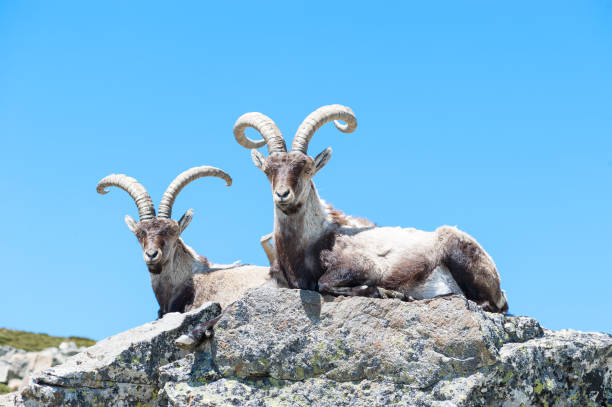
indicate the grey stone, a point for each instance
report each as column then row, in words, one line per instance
column 118, row 371
column 4, row 371
column 280, row 347
column 17, row 366
column 292, row 348
column 11, row 399
column 7, row 350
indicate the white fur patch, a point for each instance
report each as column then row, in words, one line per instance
column 502, row 301
column 439, row 282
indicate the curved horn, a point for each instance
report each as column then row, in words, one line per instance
column 146, row 209
column 272, row 136
column 184, row 178
column 318, row 118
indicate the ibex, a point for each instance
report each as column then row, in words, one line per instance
column 320, row 248
column 182, row 280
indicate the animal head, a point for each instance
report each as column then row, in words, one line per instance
column 158, row 235
column 158, row 238
column 290, row 173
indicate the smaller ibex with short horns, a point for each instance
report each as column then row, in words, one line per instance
column 182, row 280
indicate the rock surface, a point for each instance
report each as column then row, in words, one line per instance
column 283, row 347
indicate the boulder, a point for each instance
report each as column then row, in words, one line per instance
column 13, row 363
column 286, row 347
column 17, row 365
column 121, row 370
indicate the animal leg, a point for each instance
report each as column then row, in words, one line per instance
column 472, row 268
column 197, row 335
column 268, row 248
column 342, row 282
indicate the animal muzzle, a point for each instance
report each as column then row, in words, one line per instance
column 152, row 256
column 283, row 195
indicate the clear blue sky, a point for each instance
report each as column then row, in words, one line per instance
column 493, row 117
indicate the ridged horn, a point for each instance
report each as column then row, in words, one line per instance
column 272, row 136
column 184, row 178
column 318, row 118
column 146, row 209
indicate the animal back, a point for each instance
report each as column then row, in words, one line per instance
column 226, row 286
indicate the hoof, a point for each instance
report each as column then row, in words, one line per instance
column 384, row 293
column 185, row 342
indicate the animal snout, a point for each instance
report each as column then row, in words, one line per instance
column 282, row 192
column 151, row 253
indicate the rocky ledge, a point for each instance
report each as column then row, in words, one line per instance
column 282, row 347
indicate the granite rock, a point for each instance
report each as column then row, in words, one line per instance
column 281, row 347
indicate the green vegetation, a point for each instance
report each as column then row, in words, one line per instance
column 4, row 388
column 33, row 342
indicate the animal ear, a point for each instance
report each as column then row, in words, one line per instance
column 131, row 223
column 322, row 159
column 185, row 220
column 258, row 159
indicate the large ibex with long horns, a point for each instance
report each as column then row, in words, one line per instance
column 320, row 248
column 181, row 279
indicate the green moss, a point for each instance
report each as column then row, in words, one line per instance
column 29, row 341
column 4, row 388
column 538, row 387
column 317, row 364
column 264, row 363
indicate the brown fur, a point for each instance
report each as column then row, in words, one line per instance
column 299, row 266
column 470, row 266
column 413, row 268
column 225, row 286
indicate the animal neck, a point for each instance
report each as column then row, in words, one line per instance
column 187, row 259
column 299, row 238
column 307, row 224
column 184, row 263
